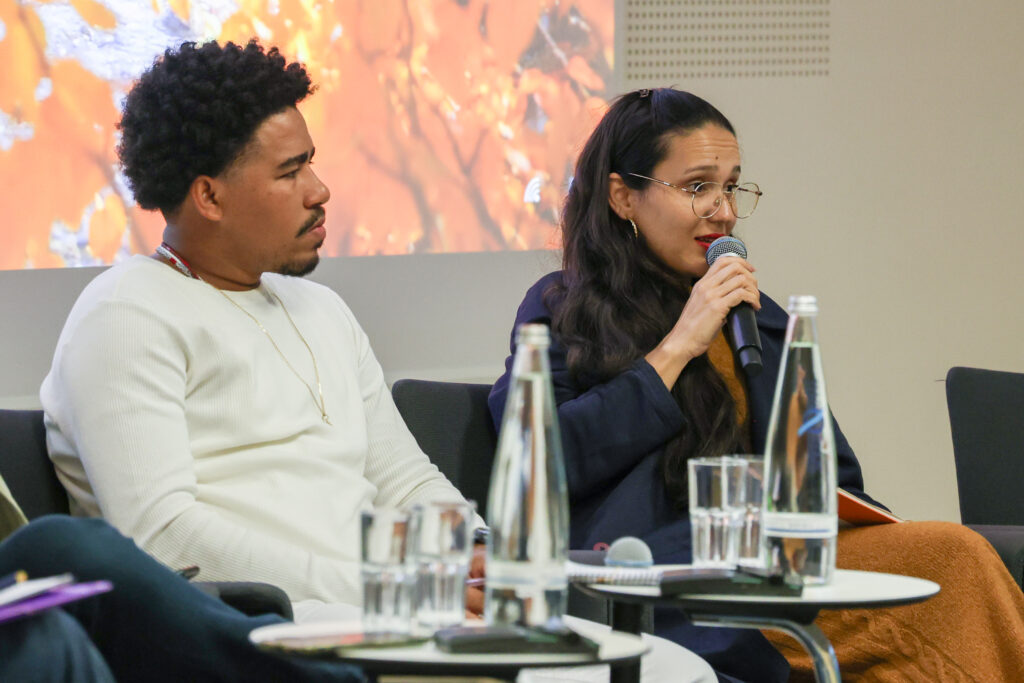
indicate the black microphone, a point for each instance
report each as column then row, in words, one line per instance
column 741, row 323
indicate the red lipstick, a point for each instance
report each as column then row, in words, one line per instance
column 706, row 240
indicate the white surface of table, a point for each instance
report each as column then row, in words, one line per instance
column 849, row 588
column 613, row 646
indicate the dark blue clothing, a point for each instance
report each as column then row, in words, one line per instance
column 613, row 435
column 153, row 626
column 50, row 647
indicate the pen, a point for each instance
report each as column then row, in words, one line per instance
column 13, row 578
column 188, row 573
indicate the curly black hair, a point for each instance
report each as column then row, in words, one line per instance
column 194, row 112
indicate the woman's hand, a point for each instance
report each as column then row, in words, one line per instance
column 729, row 282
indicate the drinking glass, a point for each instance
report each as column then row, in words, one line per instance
column 751, row 551
column 717, row 507
column 387, row 572
column 442, row 548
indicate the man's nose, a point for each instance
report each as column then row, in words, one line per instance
column 319, row 193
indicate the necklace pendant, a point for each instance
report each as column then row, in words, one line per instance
column 327, row 420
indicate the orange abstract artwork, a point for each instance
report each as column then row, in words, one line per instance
column 440, row 125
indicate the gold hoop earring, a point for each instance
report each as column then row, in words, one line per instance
column 636, row 233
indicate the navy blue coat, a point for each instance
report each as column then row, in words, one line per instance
column 613, row 435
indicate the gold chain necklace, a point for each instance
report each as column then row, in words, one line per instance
column 321, row 405
column 182, row 265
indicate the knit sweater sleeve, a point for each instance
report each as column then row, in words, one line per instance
column 395, row 464
column 127, row 423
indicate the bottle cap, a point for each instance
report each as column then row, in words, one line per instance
column 803, row 304
column 533, row 333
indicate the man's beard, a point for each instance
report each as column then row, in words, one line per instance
column 299, row 269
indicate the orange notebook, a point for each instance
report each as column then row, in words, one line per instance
column 860, row 513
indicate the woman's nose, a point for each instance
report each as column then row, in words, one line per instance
column 724, row 212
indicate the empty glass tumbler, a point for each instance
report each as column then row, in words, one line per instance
column 751, row 548
column 442, row 547
column 388, row 573
column 717, row 509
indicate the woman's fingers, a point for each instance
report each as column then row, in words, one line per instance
column 715, row 288
column 727, row 283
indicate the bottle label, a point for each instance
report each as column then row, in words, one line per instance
column 800, row 525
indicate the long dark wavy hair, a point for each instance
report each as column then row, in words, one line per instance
column 617, row 300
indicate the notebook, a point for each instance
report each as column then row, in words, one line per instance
column 679, row 579
column 861, row 513
column 642, row 576
column 54, row 591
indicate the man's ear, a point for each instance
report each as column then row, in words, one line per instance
column 620, row 197
column 204, row 195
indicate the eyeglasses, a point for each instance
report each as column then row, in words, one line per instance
column 706, row 198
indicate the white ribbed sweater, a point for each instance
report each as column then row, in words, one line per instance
column 170, row 414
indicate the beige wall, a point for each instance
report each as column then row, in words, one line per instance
column 890, row 194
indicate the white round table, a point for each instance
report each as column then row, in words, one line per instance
column 795, row 615
column 424, row 658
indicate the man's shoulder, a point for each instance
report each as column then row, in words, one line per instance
column 137, row 279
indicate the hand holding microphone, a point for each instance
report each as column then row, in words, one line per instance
column 727, row 284
column 741, row 322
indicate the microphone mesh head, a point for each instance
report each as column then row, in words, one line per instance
column 723, row 246
column 629, row 551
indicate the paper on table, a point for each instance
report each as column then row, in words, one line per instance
column 58, row 595
column 24, row 589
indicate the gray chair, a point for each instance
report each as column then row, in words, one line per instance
column 986, row 418
column 26, row 468
column 453, row 425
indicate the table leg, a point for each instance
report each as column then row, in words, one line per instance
column 826, row 667
column 627, row 618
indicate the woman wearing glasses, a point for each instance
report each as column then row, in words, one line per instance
column 645, row 380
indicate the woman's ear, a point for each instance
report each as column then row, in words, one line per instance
column 620, row 196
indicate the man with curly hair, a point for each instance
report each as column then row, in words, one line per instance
column 211, row 407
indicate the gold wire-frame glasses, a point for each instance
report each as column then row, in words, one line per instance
column 706, row 197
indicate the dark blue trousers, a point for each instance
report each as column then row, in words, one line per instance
column 153, row 626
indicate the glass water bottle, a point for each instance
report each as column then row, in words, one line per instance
column 800, row 521
column 527, row 509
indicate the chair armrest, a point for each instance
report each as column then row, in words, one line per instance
column 249, row 597
column 1008, row 540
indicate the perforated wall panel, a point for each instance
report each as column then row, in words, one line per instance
column 665, row 42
